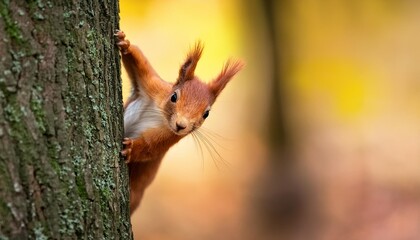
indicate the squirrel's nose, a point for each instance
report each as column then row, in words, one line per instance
column 180, row 126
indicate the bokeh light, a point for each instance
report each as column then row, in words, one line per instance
column 341, row 81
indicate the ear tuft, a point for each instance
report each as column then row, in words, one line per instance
column 229, row 70
column 186, row 72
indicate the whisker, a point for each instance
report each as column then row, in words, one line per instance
column 214, row 134
column 201, row 136
column 214, row 153
column 198, row 144
column 213, row 138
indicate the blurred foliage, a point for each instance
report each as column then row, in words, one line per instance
column 345, row 83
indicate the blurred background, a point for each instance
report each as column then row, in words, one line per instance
column 319, row 135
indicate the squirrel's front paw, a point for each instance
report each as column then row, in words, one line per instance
column 126, row 152
column 122, row 43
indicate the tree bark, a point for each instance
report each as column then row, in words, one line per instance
column 61, row 176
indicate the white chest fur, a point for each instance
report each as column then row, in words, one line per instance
column 140, row 115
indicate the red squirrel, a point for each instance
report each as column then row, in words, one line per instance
column 158, row 114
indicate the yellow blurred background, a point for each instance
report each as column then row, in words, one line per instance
column 319, row 134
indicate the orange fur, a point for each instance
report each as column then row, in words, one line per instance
column 229, row 70
column 158, row 114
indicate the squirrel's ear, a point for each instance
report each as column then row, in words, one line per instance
column 187, row 69
column 228, row 71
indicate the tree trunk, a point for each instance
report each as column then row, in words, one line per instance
column 282, row 194
column 61, row 122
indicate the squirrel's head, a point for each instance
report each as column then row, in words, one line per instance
column 189, row 102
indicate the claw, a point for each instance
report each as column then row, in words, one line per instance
column 122, row 43
column 126, row 153
column 127, row 142
column 120, row 34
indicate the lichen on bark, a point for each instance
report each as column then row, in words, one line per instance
column 61, row 122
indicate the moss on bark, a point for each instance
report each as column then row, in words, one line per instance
column 61, row 122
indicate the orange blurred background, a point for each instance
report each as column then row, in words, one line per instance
column 318, row 135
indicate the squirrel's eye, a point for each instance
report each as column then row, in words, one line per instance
column 174, row 97
column 206, row 114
